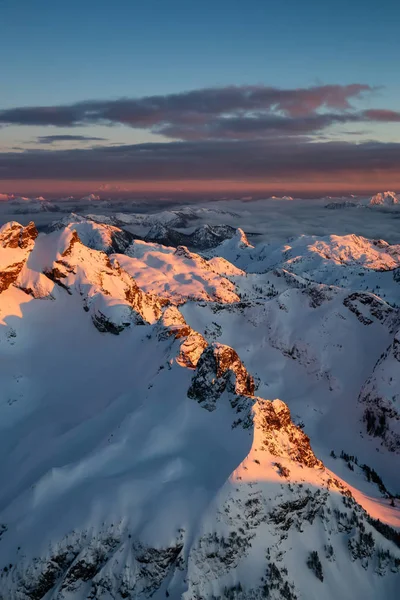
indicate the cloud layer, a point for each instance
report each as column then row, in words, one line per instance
column 202, row 160
column 231, row 112
column 236, row 133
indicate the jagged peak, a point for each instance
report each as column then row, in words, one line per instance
column 172, row 324
column 95, row 234
column 15, row 235
column 67, row 220
column 280, row 436
column 384, row 198
column 241, row 238
column 219, row 368
column 184, row 252
column 16, row 243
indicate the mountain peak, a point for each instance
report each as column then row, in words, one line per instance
column 384, row 199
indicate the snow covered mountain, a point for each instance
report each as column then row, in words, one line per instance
column 202, row 238
column 342, row 205
column 95, row 235
column 384, row 199
column 22, row 205
column 145, row 450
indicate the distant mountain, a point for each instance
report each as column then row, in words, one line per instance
column 202, row 238
column 36, row 207
column 90, row 198
column 176, row 219
column 281, row 198
column 385, row 199
column 343, row 204
column 98, row 236
column 23, row 205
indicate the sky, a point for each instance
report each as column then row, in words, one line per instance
column 207, row 96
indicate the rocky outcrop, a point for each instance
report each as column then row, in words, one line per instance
column 173, row 325
column 381, row 398
column 191, row 350
column 10, row 274
column 162, row 234
column 91, row 565
column 16, row 242
column 210, row 236
column 318, row 293
column 280, row 436
column 109, row 294
column 219, row 369
column 368, row 307
column 14, row 235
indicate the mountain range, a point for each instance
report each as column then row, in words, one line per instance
column 195, row 415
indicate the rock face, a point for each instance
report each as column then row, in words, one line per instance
column 112, row 297
column 162, row 234
column 14, row 235
column 280, row 436
column 208, row 236
column 9, row 274
column 191, row 343
column 108, row 292
column 219, row 369
column 16, row 242
column 368, row 308
column 381, row 398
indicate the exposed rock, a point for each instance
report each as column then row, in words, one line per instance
column 381, row 397
column 219, row 368
column 280, row 436
column 191, row 350
column 14, row 235
column 108, row 292
column 9, row 275
column 366, row 305
column 173, row 324
column 16, row 242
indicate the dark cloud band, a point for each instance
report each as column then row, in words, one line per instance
column 202, row 160
column 53, row 139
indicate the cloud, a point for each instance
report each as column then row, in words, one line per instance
column 205, row 111
column 256, row 126
column 204, row 160
column 380, row 114
column 53, row 139
column 231, row 133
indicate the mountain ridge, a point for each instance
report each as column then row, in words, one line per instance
column 175, row 472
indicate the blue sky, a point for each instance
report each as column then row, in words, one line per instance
column 69, row 50
column 63, row 52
